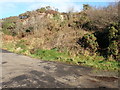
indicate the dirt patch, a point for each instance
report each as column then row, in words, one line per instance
column 4, row 62
column 107, row 79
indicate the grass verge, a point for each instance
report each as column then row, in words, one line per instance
column 54, row 55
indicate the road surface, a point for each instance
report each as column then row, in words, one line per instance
column 25, row 72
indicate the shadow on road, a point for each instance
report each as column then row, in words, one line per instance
column 34, row 80
column 4, row 51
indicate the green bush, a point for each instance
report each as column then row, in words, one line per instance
column 41, row 10
column 109, row 40
column 8, row 27
column 112, row 33
column 113, row 36
column 89, row 42
column 56, row 17
column 86, row 7
column 113, row 48
column 81, row 21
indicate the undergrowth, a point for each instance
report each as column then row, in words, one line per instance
column 98, row 62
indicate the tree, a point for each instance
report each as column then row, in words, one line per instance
column 70, row 9
column 48, row 8
column 101, row 17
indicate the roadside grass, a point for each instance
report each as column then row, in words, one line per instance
column 55, row 55
column 51, row 55
column 97, row 62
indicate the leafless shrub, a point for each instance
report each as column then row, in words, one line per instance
column 103, row 16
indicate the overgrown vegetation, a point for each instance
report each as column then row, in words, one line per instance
column 89, row 41
column 8, row 26
column 55, row 54
column 90, row 37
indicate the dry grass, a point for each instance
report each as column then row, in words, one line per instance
column 65, row 39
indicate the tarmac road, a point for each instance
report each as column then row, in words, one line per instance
column 19, row 71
